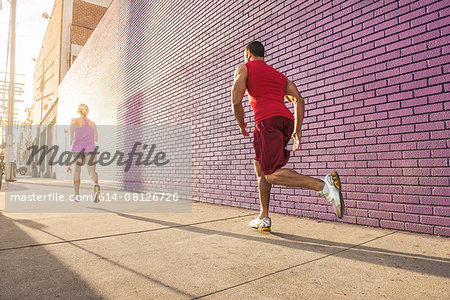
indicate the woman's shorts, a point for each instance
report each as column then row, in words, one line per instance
column 82, row 155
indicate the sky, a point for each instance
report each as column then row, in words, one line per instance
column 30, row 31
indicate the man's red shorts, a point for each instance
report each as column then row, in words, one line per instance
column 270, row 138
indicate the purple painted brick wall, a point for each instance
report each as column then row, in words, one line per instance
column 376, row 79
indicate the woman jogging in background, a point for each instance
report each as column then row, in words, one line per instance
column 83, row 135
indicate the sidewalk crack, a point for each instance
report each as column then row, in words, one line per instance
column 294, row 266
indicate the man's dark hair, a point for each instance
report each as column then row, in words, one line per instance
column 256, row 48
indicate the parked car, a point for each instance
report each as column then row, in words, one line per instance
column 23, row 170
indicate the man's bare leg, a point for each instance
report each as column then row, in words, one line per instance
column 264, row 191
column 291, row 178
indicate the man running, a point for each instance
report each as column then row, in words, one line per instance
column 274, row 125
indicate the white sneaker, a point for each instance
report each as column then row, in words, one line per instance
column 332, row 193
column 261, row 224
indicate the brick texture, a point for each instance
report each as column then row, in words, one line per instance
column 374, row 75
column 47, row 70
column 86, row 14
column 80, row 35
column 85, row 17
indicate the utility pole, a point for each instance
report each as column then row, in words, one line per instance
column 12, row 83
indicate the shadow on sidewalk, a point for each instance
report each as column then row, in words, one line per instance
column 436, row 266
column 34, row 273
column 39, row 227
column 13, row 187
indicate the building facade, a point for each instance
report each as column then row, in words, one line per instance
column 70, row 26
column 374, row 75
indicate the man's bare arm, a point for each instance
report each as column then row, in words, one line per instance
column 292, row 95
column 237, row 94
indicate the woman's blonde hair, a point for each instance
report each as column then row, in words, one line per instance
column 83, row 110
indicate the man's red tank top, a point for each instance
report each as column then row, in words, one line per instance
column 266, row 88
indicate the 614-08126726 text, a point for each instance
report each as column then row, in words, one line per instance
column 103, row 197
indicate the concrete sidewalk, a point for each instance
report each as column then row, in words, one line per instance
column 212, row 253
